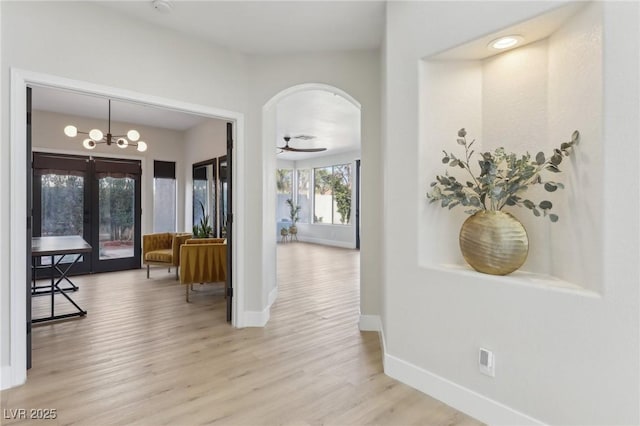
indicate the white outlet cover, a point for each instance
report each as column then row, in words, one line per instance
column 487, row 362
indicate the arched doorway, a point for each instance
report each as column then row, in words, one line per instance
column 336, row 226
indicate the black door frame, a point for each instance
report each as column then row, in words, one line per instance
column 29, row 225
column 91, row 215
column 358, row 204
column 229, row 221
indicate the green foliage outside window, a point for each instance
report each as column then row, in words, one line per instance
column 336, row 181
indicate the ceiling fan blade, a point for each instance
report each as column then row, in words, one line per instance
column 304, row 137
column 286, row 146
column 305, row 149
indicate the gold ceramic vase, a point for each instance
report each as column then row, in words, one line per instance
column 494, row 242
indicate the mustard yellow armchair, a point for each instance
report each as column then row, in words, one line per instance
column 203, row 260
column 163, row 249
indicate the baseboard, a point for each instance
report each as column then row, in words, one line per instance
column 343, row 244
column 370, row 323
column 256, row 318
column 273, row 295
column 261, row 318
column 470, row 402
column 374, row 323
column 8, row 378
column 458, row 397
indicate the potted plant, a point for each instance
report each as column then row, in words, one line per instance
column 294, row 210
column 203, row 229
column 491, row 240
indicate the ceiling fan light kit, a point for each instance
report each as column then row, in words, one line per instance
column 288, row 148
column 162, row 6
column 96, row 136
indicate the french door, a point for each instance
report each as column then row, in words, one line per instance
column 212, row 195
column 96, row 198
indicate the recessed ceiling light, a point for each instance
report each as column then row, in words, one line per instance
column 506, row 42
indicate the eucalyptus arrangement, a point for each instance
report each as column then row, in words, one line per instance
column 503, row 177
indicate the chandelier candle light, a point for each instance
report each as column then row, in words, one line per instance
column 132, row 138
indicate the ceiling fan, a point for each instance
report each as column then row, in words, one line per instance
column 286, row 146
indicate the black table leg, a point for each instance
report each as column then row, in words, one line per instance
column 55, row 288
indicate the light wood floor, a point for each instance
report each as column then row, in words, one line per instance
column 145, row 356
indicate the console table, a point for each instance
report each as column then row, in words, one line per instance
column 58, row 246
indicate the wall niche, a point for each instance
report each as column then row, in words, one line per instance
column 527, row 98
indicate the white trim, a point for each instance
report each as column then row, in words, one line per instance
column 261, row 318
column 370, row 323
column 257, row 318
column 16, row 373
column 374, row 323
column 6, row 378
column 17, row 233
column 343, row 244
column 304, row 87
column 273, row 295
column 463, row 399
column 458, row 397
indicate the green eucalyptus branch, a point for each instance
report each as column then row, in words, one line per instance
column 502, row 178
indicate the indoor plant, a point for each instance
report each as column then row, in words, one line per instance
column 203, row 229
column 294, row 210
column 491, row 235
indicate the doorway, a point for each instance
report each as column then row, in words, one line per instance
column 325, row 123
column 19, row 217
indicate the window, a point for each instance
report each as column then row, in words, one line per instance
column 332, row 194
column 164, row 196
column 304, row 195
column 322, row 197
column 204, row 192
column 341, row 182
column 284, row 190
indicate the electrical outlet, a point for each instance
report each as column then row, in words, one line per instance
column 487, row 362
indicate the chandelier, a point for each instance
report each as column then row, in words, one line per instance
column 132, row 138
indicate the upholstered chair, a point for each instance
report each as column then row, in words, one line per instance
column 163, row 249
column 203, row 260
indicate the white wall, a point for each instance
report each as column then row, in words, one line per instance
column 64, row 39
column 163, row 145
column 450, row 98
column 357, row 74
column 285, row 164
column 202, row 142
column 561, row 357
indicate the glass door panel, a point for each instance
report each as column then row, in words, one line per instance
column 60, row 204
column 117, row 213
column 205, row 193
column 224, row 196
column 62, row 209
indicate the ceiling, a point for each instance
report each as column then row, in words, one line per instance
column 269, row 27
column 252, row 27
column 333, row 120
column 72, row 103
